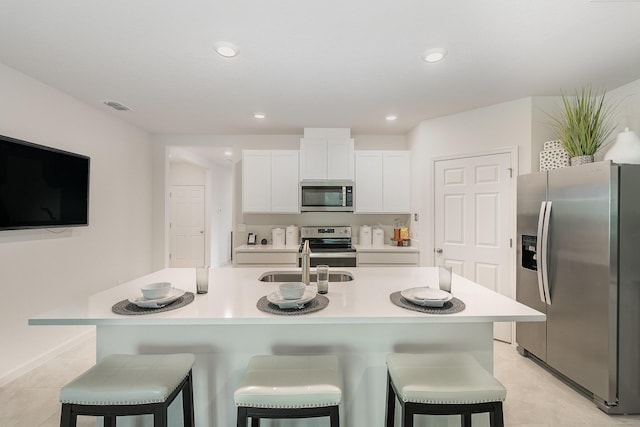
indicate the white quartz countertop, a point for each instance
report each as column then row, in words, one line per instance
column 266, row 248
column 234, row 292
column 386, row 248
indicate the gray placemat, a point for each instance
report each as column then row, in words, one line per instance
column 316, row 304
column 449, row 307
column 127, row 308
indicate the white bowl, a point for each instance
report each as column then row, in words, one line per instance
column 292, row 290
column 156, row 290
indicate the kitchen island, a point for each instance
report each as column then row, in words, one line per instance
column 224, row 328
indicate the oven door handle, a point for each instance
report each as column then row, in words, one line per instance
column 331, row 255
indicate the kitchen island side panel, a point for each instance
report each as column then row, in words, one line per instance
column 223, row 351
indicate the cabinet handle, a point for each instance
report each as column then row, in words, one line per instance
column 438, row 250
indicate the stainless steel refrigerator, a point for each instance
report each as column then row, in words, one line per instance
column 579, row 262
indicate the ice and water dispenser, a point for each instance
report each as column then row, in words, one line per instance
column 529, row 255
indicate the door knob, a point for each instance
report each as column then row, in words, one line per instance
column 438, row 250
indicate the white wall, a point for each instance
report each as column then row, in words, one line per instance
column 499, row 126
column 41, row 269
column 627, row 105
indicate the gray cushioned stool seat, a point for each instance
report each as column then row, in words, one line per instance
column 124, row 384
column 442, row 384
column 289, row 387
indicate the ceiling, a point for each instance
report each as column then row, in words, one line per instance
column 329, row 63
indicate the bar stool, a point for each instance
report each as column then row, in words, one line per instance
column 442, row 384
column 123, row 384
column 281, row 387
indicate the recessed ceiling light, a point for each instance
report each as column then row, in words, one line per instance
column 228, row 153
column 259, row 115
column 391, row 117
column 434, row 55
column 226, row 49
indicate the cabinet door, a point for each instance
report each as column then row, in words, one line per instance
column 396, row 180
column 284, row 181
column 368, row 181
column 340, row 158
column 313, row 158
column 256, row 181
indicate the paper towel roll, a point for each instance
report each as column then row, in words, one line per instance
column 293, row 236
column 378, row 237
column 277, row 236
column 365, row 235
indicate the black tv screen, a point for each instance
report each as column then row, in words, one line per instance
column 42, row 187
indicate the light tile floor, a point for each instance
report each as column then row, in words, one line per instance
column 535, row 398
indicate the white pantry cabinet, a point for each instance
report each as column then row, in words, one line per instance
column 326, row 158
column 270, row 181
column 383, row 181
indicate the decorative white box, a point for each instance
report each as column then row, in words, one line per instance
column 553, row 145
column 553, row 159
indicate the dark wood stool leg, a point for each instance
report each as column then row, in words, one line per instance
column 391, row 404
column 160, row 416
column 109, row 421
column 466, row 420
column 334, row 416
column 67, row 418
column 242, row 417
column 187, row 402
column 496, row 417
column 255, row 422
column 407, row 415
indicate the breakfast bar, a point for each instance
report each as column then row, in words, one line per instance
column 224, row 328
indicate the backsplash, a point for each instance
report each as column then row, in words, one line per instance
column 261, row 225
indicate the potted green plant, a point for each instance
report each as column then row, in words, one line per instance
column 584, row 124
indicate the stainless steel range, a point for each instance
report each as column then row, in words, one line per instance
column 330, row 245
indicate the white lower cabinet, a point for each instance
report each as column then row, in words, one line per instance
column 388, row 258
column 266, row 259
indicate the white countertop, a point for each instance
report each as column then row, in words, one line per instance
column 359, row 248
column 233, row 293
column 386, row 248
column 266, row 248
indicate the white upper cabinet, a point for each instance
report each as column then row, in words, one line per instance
column 368, row 181
column 327, row 154
column 284, row 181
column 382, row 182
column 270, row 181
column 396, row 181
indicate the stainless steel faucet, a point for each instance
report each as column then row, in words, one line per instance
column 306, row 263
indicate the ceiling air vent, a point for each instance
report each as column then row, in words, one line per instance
column 116, row 105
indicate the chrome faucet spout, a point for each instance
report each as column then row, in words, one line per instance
column 306, row 263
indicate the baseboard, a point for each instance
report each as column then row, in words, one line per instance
column 47, row 356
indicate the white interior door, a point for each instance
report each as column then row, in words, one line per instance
column 473, row 222
column 187, row 226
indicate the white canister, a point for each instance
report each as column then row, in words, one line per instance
column 277, row 237
column 365, row 235
column 378, row 237
column 293, row 236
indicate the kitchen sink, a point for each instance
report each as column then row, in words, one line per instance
column 296, row 276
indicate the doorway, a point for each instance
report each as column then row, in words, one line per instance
column 187, row 226
column 473, row 217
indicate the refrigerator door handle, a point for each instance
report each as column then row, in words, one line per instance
column 545, row 253
column 539, row 251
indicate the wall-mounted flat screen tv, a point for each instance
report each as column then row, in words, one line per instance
column 42, row 187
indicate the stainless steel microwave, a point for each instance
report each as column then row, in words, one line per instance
column 326, row 196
